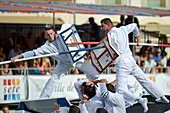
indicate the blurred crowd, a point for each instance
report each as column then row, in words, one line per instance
column 150, row 59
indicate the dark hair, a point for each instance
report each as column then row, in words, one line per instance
column 90, row 91
column 106, row 21
column 111, row 88
column 101, row 110
column 74, row 109
column 48, row 28
column 91, row 20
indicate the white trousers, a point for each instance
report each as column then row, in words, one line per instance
column 63, row 67
column 126, row 67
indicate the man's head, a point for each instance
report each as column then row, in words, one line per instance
column 88, row 90
column 91, row 20
column 5, row 109
column 111, row 88
column 101, row 110
column 74, row 109
column 106, row 24
column 49, row 34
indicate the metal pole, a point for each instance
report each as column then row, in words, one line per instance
column 54, row 20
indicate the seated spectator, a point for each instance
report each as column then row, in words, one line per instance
column 2, row 53
column 15, row 51
column 150, row 63
column 21, row 68
column 32, row 70
column 157, row 57
column 144, row 56
column 168, row 70
column 154, row 70
column 5, row 109
column 6, row 70
column 164, row 61
column 143, row 66
column 47, row 66
column 159, row 67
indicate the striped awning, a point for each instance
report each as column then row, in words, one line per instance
column 57, row 7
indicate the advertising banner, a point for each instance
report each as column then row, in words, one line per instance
column 13, row 88
column 16, row 88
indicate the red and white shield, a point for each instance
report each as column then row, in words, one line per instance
column 102, row 58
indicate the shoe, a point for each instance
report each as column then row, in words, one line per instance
column 162, row 99
column 144, row 102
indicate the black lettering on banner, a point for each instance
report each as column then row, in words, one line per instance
column 70, row 87
column 11, row 89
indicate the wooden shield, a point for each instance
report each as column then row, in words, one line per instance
column 67, row 35
column 104, row 57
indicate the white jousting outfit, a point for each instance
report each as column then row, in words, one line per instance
column 126, row 65
column 63, row 65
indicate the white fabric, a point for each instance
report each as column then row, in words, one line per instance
column 63, row 65
column 114, row 102
column 118, row 38
column 126, row 65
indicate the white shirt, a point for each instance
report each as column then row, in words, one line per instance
column 118, row 38
column 49, row 48
column 114, row 102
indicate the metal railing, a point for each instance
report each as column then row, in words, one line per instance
column 109, row 70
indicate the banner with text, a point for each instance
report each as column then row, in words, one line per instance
column 13, row 88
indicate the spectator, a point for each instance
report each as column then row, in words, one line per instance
column 15, row 51
column 94, row 31
column 168, row 70
column 32, row 70
column 22, row 42
column 5, row 109
column 159, row 67
column 2, row 53
column 143, row 65
column 47, row 66
column 157, row 57
column 154, row 70
column 5, row 70
column 122, row 21
column 21, row 68
column 150, row 63
column 144, row 56
column 164, row 59
column 10, row 42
